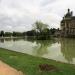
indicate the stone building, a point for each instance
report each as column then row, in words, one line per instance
column 68, row 25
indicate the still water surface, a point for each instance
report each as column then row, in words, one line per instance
column 57, row 49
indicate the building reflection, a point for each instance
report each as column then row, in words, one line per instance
column 68, row 49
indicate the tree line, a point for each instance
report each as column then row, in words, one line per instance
column 39, row 30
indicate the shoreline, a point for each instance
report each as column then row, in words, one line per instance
column 29, row 65
column 10, row 37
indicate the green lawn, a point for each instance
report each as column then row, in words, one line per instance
column 29, row 65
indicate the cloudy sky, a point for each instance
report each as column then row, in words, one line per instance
column 19, row 15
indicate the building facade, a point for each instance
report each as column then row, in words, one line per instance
column 68, row 25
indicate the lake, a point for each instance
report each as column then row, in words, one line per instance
column 62, row 50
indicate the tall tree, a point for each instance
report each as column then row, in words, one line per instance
column 42, row 30
column 39, row 26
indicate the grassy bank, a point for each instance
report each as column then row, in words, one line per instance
column 29, row 65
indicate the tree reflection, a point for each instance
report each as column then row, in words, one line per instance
column 2, row 40
column 41, row 47
column 68, row 49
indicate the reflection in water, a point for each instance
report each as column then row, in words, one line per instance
column 2, row 40
column 42, row 47
column 68, row 49
column 57, row 49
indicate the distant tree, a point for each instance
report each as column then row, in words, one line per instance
column 24, row 33
column 31, row 33
column 14, row 34
column 17, row 34
column 8, row 34
column 52, row 31
column 2, row 33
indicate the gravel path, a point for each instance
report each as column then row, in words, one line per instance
column 7, row 70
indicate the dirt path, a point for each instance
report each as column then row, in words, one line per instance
column 7, row 70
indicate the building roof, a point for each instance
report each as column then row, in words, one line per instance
column 68, row 16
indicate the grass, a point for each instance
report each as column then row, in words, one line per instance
column 29, row 65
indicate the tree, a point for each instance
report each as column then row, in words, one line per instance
column 42, row 30
column 52, row 31
column 17, row 34
column 8, row 34
column 30, row 33
column 39, row 26
column 2, row 33
column 14, row 34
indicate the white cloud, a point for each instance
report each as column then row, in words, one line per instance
column 19, row 15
